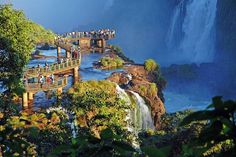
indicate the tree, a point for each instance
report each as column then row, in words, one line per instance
column 18, row 36
column 16, row 45
column 40, row 35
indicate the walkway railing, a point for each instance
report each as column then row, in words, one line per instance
column 53, row 68
column 36, row 87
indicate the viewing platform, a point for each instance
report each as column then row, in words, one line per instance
column 38, row 87
column 100, row 34
column 55, row 68
column 32, row 88
column 92, row 41
column 73, row 43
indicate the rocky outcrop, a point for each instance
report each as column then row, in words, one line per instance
column 137, row 79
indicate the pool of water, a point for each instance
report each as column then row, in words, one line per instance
column 178, row 102
column 87, row 72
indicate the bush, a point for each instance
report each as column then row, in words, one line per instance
column 148, row 90
column 109, row 62
column 150, row 65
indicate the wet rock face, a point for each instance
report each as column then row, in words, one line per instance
column 119, row 78
column 133, row 79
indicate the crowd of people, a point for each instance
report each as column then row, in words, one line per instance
column 102, row 33
column 40, row 79
column 45, row 79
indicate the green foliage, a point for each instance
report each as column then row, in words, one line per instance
column 40, row 35
column 150, row 65
column 219, row 135
column 24, row 134
column 170, row 122
column 97, row 106
column 108, row 145
column 155, row 73
column 210, row 132
column 148, row 90
column 18, row 37
column 169, row 136
column 111, row 62
column 15, row 45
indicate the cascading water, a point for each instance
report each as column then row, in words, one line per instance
column 124, row 96
column 192, row 30
column 143, row 119
column 140, row 116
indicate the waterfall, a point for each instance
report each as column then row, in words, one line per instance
column 143, row 119
column 140, row 116
column 197, row 31
column 171, row 40
column 124, row 96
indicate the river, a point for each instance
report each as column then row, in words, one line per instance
column 174, row 101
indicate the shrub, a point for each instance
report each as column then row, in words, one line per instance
column 109, row 62
column 150, row 65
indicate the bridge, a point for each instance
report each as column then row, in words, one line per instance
column 94, row 40
column 100, row 34
column 72, row 62
column 55, row 68
column 90, row 41
column 32, row 88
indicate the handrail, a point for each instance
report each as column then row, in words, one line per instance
column 35, row 87
column 54, row 67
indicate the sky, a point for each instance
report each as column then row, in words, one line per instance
column 75, row 13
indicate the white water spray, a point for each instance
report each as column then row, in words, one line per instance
column 143, row 117
column 124, row 96
column 197, row 28
column 140, row 116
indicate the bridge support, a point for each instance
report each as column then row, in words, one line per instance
column 76, row 72
column 58, row 52
column 25, row 100
column 30, row 96
column 102, row 43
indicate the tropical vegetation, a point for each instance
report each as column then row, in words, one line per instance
column 90, row 119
